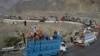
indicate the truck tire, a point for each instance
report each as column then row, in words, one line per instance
column 87, row 44
column 40, row 55
column 61, row 53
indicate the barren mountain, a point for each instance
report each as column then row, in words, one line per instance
column 58, row 5
column 79, row 8
column 50, row 5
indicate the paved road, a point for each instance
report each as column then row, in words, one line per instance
column 92, row 50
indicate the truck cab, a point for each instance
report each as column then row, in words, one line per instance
column 63, row 48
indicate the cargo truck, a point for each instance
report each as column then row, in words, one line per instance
column 45, row 47
column 85, row 40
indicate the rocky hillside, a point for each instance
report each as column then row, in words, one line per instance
column 77, row 8
column 58, row 5
column 50, row 5
column 6, row 5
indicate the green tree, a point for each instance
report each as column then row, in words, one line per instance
column 11, row 41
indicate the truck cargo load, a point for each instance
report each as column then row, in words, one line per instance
column 43, row 47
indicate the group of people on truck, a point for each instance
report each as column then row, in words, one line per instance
column 37, row 34
column 92, row 27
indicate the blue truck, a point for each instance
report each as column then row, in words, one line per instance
column 43, row 47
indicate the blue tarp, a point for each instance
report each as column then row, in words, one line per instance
column 43, row 47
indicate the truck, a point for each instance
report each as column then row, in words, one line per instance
column 85, row 40
column 44, row 47
column 88, row 34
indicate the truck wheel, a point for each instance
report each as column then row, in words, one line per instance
column 61, row 53
column 87, row 44
column 95, row 39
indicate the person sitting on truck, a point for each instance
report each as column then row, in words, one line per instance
column 29, row 35
column 39, row 33
column 81, row 33
column 42, row 37
column 46, row 36
column 55, row 34
column 34, row 31
column 60, row 33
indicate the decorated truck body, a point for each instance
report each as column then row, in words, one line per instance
column 86, row 39
column 43, row 47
